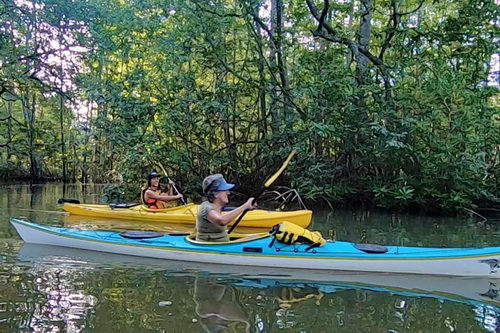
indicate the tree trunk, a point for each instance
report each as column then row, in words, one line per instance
column 9, row 130
column 63, row 144
column 362, row 68
column 61, row 111
column 221, row 95
column 98, row 162
column 262, row 89
column 350, row 33
column 29, row 116
column 273, row 63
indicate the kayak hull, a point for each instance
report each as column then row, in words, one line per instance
column 335, row 256
column 187, row 215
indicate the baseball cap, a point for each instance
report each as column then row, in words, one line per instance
column 153, row 174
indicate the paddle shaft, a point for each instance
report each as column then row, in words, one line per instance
column 173, row 185
column 176, row 191
column 268, row 183
column 246, row 210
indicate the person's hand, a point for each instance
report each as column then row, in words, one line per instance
column 249, row 205
column 170, row 182
column 179, row 196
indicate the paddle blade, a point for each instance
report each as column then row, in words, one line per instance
column 271, row 180
column 162, row 169
column 63, row 200
column 266, row 185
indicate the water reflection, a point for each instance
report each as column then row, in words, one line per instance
column 45, row 298
column 64, row 302
column 49, row 289
column 488, row 317
column 219, row 308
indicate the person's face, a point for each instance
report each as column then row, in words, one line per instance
column 223, row 197
column 155, row 181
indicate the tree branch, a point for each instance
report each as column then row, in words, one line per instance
column 327, row 32
column 394, row 21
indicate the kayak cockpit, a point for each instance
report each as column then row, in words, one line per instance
column 191, row 237
column 233, row 239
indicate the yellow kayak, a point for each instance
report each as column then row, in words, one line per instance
column 257, row 218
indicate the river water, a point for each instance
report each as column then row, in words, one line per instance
column 51, row 289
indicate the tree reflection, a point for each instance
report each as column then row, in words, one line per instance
column 60, row 302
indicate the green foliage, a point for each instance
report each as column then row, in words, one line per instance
column 205, row 87
column 121, row 193
column 8, row 169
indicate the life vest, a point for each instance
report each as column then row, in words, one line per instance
column 152, row 203
column 290, row 233
column 206, row 230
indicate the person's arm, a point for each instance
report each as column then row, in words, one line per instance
column 161, row 196
column 224, row 219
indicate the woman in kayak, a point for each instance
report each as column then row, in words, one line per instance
column 210, row 222
column 153, row 198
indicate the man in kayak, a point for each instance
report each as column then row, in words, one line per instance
column 210, row 222
column 153, row 197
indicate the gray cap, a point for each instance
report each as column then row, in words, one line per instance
column 221, row 186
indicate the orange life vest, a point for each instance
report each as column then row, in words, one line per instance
column 153, row 203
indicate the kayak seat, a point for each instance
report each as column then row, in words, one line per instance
column 122, row 205
column 371, row 248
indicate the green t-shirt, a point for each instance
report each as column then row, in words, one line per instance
column 206, row 230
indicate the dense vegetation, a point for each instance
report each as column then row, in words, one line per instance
column 394, row 103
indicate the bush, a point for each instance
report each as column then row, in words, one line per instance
column 121, row 193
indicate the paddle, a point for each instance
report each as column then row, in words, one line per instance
column 176, row 190
column 173, row 184
column 63, row 200
column 267, row 184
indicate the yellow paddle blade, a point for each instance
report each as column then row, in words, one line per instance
column 278, row 173
column 162, row 168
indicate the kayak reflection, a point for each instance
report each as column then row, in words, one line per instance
column 219, row 308
column 454, row 288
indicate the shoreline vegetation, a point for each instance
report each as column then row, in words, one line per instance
column 389, row 105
